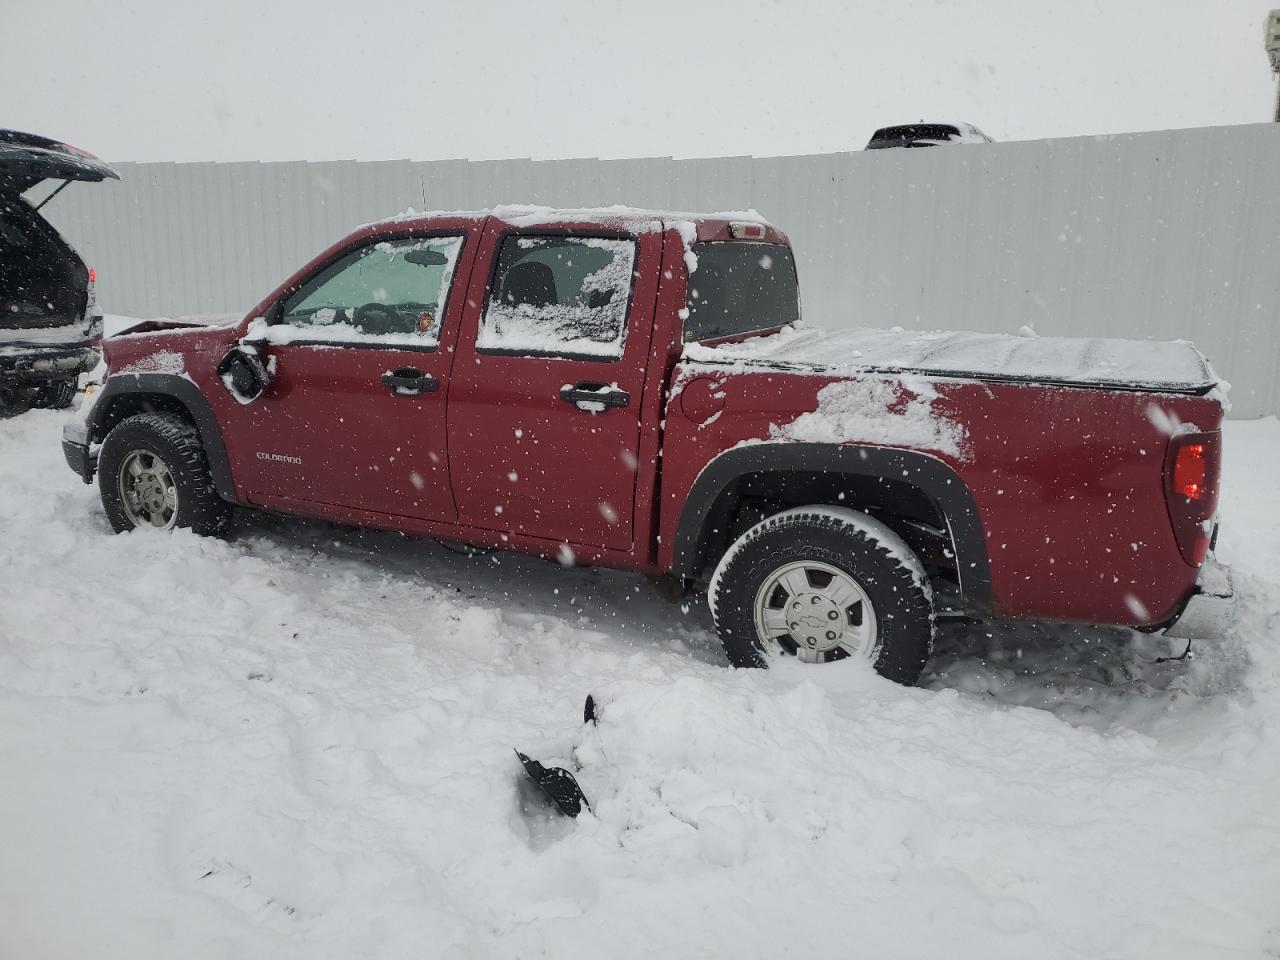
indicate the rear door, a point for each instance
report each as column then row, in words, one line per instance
column 355, row 415
column 544, row 407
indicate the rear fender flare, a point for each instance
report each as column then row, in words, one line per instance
column 174, row 389
column 931, row 476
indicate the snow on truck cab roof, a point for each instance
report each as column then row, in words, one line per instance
column 694, row 227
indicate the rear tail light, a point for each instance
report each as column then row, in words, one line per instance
column 93, row 275
column 1189, row 470
column 1191, row 491
column 740, row 230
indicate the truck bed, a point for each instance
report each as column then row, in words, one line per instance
column 1147, row 365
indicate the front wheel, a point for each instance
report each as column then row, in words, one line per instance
column 822, row 584
column 153, row 475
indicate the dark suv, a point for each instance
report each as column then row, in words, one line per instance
column 49, row 321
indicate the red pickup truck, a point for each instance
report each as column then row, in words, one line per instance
column 633, row 389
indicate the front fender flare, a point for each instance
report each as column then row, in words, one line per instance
column 185, row 393
column 930, row 475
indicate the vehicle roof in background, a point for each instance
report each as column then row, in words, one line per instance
column 26, row 159
column 926, row 135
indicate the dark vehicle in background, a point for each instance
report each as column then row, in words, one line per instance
column 926, row 135
column 49, row 320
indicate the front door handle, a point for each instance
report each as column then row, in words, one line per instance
column 409, row 382
column 592, row 397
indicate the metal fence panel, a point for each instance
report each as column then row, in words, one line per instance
column 1154, row 235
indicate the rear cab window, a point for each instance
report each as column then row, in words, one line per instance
column 740, row 287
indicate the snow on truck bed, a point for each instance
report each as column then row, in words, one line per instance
column 1175, row 366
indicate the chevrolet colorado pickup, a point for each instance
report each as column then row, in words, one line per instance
column 633, row 389
column 49, row 318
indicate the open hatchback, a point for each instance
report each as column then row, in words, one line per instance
column 49, row 320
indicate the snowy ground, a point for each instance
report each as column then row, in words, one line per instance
column 299, row 744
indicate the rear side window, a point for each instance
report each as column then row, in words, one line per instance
column 560, row 296
column 739, row 287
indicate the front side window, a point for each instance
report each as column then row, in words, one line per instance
column 390, row 291
column 560, row 296
column 739, row 287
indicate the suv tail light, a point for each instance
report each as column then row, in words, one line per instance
column 93, row 319
column 1191, row 474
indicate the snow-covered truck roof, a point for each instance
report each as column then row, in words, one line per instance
column 1164, row 366
column 693, row 226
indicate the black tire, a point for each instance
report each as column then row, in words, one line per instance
column 864, row 549
column 56, row 394
column 176, row 443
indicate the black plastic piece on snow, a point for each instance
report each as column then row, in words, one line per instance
column 589, row 710
column 557, row 785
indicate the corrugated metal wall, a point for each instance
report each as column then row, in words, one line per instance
column 1153, row 235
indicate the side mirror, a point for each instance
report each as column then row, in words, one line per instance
column 244, row 374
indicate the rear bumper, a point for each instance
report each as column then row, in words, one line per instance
column 1212, row 607
column 80, row 455
column 36, row 365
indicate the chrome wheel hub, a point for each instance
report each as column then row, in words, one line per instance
column 815, row 611
column 147, row 490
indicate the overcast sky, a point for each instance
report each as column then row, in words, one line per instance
column 381, row 79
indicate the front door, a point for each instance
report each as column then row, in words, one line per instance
column 361, row 352
column 544, row 408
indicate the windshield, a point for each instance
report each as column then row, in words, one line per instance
column 738, row 287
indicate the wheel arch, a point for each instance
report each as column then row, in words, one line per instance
column 903, row 483
column 124, row 395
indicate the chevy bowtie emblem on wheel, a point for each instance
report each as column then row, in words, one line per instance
column 279, row 458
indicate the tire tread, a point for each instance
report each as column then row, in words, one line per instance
column 199, row 505
column 902, row 565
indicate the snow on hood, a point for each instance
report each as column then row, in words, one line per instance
column 1147, row 364
column 116, row 325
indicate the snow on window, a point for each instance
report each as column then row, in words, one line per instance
column 560, row 296
column 393, row 291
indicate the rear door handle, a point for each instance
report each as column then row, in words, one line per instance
column 592, row 397
column 409, row 382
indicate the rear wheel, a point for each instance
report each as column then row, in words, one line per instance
column 823, row 584
column 56, row 394
column 153, row 474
